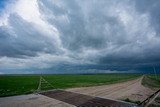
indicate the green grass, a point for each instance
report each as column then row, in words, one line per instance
column 24, row 84
column 151, row 81
column 14, row 85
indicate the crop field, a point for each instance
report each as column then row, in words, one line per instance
column 24, row 84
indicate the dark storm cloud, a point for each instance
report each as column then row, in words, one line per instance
column 97, row 29
column 112, row 34
column 83, row 31
column 152, row 7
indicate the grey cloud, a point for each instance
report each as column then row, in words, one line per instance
column 96, row 29
column 23, row 39
column 152, row 7
column 84, row 31
column 112, row 33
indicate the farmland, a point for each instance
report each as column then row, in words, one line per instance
column 24, row 84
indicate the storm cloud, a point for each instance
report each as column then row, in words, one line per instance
column 99, row 34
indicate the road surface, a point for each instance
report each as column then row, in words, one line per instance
column 130, row 89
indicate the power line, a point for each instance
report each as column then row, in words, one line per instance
column 155, row 73
column 43, row 84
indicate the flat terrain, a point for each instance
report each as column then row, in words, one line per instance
column 81, row 100
column 59, row 98
column 24, row 84
column 32, row 100
column 133, row 90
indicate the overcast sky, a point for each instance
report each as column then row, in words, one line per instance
column 77, row 35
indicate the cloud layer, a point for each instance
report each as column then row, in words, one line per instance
column 43, row 34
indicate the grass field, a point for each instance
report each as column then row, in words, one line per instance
column 24, row 84
column 152, row 81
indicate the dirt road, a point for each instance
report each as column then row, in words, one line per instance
column 80, row 100
column 130, row 89
column 32, row 100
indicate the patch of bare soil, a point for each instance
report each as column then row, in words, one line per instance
column 32, row 100
column 130, row 89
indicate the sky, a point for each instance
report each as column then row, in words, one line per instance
column 79, row 36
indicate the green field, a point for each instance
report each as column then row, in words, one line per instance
column 24, row 84
column 152, row 81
